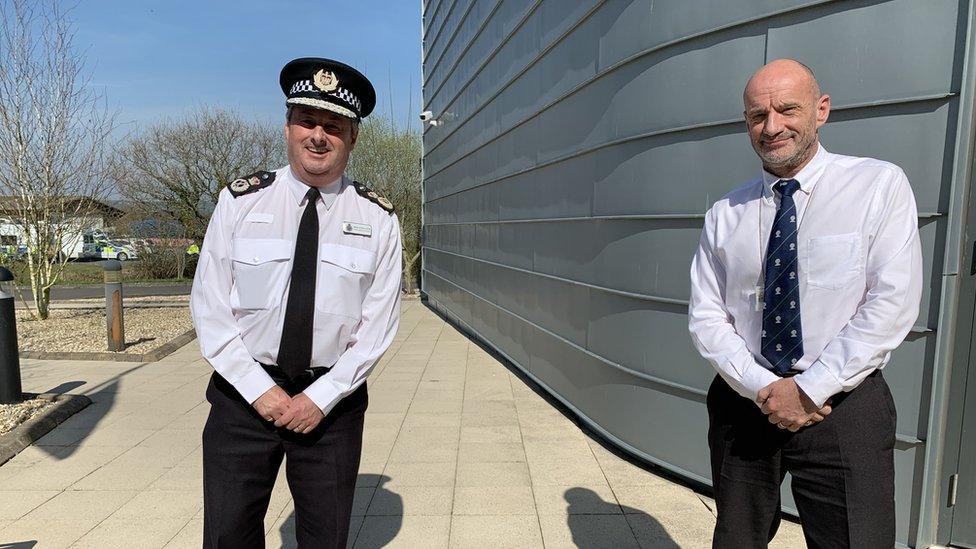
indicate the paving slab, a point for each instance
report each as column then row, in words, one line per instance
column 496, row 531
column 458, row 452
column 131, row 533
column 572, row 531
column 494, row 500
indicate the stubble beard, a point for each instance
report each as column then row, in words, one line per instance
column 788, row 166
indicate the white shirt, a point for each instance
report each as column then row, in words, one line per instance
column 241, row 285
column 860, row 268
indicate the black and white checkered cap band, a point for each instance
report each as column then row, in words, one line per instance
column 339, row 92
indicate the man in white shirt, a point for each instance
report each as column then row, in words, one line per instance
column 295, row 299
column 804, row 281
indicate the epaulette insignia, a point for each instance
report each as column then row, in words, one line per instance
column 371, row 195
column 248, row 184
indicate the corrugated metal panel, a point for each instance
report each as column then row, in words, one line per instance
column 580, row 144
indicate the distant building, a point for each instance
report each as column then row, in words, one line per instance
column 93, row 218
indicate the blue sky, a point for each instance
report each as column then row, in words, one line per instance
column 155, row 59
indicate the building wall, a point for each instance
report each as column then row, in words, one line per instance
column 579, row 145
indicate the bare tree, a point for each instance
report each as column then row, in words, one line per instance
column 388, row 159
column 54, row 131
column 174, row 171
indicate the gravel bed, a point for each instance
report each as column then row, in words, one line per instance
column 12, row 415
column 83, row 330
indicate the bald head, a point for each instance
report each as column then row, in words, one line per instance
column 784, row 70
column 783, row 110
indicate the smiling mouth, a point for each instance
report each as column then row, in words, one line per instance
column 776, row 143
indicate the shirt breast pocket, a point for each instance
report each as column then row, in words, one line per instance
column 260, row 267
column 344, row 277
column 833, row 261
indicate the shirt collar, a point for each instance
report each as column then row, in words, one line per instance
column 329, row 192
column 807, row 177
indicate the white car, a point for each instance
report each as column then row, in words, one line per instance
column 118, row 250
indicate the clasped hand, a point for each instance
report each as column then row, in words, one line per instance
column 298, row 413
column 788, row 407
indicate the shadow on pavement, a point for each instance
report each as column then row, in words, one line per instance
column 387, row 519
column 18, row 545
column 60, row 390
column 585, row 504
column 86, row 420
column 138, row 341
column 63, row 441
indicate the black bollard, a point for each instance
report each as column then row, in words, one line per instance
column 113, row 305
column 10, row 388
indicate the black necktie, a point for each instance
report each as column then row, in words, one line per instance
column 782, row 337
column 295, row 349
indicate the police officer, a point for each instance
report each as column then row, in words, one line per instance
column 295, row 299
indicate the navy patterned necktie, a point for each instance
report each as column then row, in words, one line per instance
column 295, row 348
column 782, row 337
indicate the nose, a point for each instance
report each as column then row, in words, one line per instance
column 318, row 133
column 773, row 125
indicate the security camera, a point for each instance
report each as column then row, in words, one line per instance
column 426, row 115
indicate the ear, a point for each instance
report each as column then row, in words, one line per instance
column 823, row 110
column 353, row 134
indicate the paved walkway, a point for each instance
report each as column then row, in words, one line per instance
column 458, row 452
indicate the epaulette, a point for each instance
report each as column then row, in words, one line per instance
column 248, row 184
column 370, row 194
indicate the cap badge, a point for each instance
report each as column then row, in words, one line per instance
column 240, row 185
column 325, row 81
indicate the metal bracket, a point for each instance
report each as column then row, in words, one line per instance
column 953, row 488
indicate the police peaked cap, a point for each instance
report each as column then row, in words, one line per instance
column 328, row 85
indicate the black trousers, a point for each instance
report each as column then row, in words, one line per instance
column 843, row 470
column 242, row 453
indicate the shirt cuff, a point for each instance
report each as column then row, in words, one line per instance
column 754, row 379
column 818, row 383
column 254, row 384
column 324, row 394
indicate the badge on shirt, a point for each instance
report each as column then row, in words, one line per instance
column 258, row 217
column 360, row 229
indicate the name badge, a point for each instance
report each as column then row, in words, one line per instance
column 257, row 217
column 360, row 229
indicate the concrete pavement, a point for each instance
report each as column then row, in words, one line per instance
column 458, row 452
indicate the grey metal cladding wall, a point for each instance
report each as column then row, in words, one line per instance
column 582, row 143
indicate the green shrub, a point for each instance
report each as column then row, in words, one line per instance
column 157, row 263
